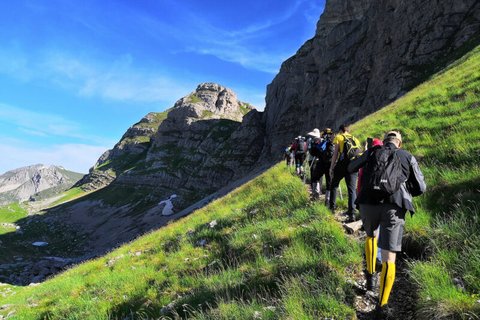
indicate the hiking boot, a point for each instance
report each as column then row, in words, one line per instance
column 350, row 219
column 352, row 215
column 383, row 312
column 371, row 281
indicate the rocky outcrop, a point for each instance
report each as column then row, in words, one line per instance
column 365, row 54
column 201, row 145
column 207, row 140
column 25, row 183
column 167, row 149
column 131, row 148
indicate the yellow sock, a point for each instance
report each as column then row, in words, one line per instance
column 371, row 253
column 386, row 281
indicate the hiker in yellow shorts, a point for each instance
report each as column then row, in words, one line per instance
column 391, row 177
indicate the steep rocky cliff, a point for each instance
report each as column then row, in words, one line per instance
column 24, row 183
column 365, row 54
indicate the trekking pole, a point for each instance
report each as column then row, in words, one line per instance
column 340, row 191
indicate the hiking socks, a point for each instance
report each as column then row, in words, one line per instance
column 327, row 198
column 371, row 254
column 386, row 282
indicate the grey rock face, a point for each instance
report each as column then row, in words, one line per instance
column 365, row 54
column 201, row 145
column 21, row 184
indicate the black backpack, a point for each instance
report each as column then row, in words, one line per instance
column 326, row 151
column 383, row 174
column 351, row 149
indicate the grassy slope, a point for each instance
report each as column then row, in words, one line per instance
column 272, row 252
column 10, row 214
column 439, row 123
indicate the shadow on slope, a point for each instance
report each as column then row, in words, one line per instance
column 89, row 227
column 264, row 248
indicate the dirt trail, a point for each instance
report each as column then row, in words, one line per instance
column 403, row 296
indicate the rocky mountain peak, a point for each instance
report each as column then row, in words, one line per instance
column 22, row 183
column 209, row 101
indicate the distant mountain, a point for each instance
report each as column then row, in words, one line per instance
column 34, row 182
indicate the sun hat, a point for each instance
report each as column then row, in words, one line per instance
column 390, row 135
column 315, row 133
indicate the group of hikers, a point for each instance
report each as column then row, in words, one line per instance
column 381, row 179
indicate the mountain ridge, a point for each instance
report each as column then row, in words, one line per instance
column 26, row 183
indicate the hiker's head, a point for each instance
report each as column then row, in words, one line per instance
column 344, row 128
column 393, row 137
column 315, row 133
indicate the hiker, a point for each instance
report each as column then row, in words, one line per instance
column 391, row 177
column 300, row 149
column 326, row 153
column 347, row 147
column 288, row 156
column 314, row 150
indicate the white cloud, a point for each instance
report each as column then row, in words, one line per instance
column 117, row 80
column 75, row 157
column 38, row 122
column 44, row 124
column 238, row 46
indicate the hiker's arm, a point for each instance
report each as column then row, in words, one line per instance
column 416, row 182
column 334, row 158
column 358, row 163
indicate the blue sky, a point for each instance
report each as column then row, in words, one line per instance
column 74, row 75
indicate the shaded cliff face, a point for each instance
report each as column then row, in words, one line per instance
column 365, row 54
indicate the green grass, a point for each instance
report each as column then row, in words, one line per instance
column 69, row 195
column 272, row 254
column 207, row 114
column 439, row 124
column 245, row 108
column 193, row 98
column 10, row 214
